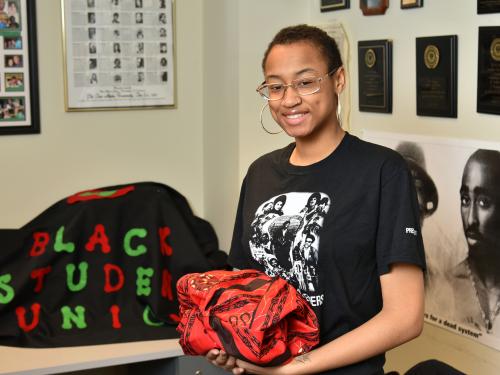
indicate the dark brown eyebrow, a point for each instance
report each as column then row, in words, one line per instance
column 483, row 191
column 478, row 190
column 306, row 70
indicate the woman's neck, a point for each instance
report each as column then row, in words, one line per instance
column 314, row 149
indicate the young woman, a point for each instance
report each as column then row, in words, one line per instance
column 364, row 279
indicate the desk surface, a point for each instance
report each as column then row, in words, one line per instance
column 53, row 361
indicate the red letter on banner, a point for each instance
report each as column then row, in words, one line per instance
column 166, row 285
column 41, row 239
column 108, row 288
column 165, row 248
column 39, row 275
column 98, row 238
column 115, row 312
column 21, row 317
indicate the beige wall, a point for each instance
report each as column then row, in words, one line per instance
column 259, row 20
column 220, row 116
column 76, row 151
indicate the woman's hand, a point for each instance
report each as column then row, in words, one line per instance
column 223, row 360
column 249, row 368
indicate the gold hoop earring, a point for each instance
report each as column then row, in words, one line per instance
column 262, row 122
column 339, row 110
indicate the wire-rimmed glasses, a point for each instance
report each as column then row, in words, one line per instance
column 303, row 86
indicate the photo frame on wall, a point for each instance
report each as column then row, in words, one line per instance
column 488, row 6
column 19, row 100
column 488, row 70
column 375, row 75
column 119, row 54
column 406, row 4
column 330, row 5
column 436, row 62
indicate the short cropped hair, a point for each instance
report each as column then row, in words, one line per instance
column 309, row 34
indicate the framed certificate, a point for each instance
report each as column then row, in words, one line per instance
column 375, row 75
column 373, row 7
column 437, row 76
column 488, row 70
column 19, row 103
column 329, row 5
column 119, row 54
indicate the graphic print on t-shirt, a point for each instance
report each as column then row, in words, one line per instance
column 285, row 237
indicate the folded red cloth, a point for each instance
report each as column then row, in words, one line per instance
column 252, row 316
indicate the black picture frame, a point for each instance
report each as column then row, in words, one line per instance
column 375, row 75
column 488, row 70
column 408, row 4
column 377, row 7
column 331, row 5
column 19, row 91
column 488, row 6
column 437, row 75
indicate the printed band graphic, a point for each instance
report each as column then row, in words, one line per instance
column 285, row 238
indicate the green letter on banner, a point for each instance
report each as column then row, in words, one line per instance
column 143, row 282
column 5, row 287
column 70, row 276
column 77, row 317
column 134, row 232
column 59, row 244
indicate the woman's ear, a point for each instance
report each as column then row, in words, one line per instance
column 339, row 76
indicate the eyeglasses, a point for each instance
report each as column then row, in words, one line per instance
column 303, row 87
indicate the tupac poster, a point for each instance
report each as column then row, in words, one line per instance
column 458, row 188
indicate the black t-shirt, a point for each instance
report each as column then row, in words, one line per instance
column 331, row 229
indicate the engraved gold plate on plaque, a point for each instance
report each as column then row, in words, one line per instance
column 431, row 56
column 370, row 58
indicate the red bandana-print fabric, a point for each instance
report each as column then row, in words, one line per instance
column 250, row 315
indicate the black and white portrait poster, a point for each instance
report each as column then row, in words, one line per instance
column 118, row 53
column 458, row 188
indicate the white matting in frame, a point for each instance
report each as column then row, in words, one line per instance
column 452, row 295
column 119, row 54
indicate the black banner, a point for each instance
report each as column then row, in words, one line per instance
column 100, row 267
